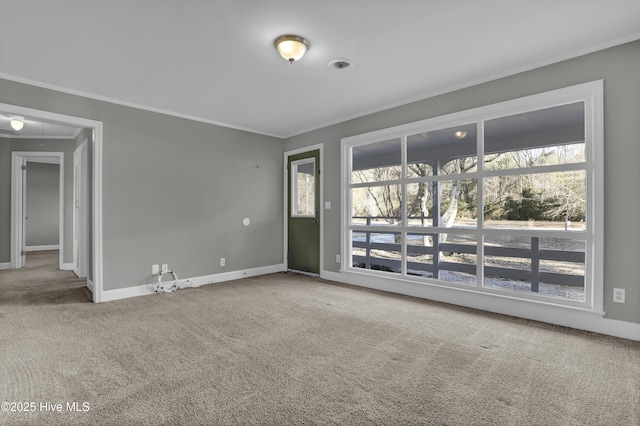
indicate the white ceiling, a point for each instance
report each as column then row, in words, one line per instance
column 214, row 60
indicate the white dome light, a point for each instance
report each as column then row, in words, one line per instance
column 291, row 47
column 16, row 124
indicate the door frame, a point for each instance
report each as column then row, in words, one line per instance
column 80, row 209
column 18, row 197
column 321, row 207
column 96, row 283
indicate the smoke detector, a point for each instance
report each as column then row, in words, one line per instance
column 341, row 64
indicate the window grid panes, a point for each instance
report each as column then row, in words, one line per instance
column 499, row 204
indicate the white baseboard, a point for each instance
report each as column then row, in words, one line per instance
column 581, row 319
column 5, row 265
column 90, row 285
column 42, row 248
column 66, row 267
column 145, row 289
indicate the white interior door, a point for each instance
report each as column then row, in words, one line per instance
column 24, row 218
column 80, row 210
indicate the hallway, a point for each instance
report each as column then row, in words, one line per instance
column 42, row 283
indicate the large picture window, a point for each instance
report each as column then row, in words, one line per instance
column 500, row 199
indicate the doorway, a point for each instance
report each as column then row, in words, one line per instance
column 25, row 200
column 303, row 242
column 92, row 196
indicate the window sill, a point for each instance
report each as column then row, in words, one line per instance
column 544, row 311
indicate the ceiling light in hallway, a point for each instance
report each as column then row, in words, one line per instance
column 17, row 124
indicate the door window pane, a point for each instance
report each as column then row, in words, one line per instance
column 303, row 191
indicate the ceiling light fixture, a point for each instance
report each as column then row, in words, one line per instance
column 16, row 124
column 291, row 47
column 460, row 134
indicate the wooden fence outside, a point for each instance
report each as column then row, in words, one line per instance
column 535, row 276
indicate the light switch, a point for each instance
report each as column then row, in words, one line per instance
column 327, row 205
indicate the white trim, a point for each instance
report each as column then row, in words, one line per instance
column 145, row 289
column 18, row 238
column 96, row 211
column 35, row 158
column 96, row 127
column 577, row 318
column 5, row 265
column 42, row 248
column 597, row 203
column 321, row 207
column 66, row 267
column 90, row 285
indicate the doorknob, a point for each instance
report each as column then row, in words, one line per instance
column 316, row 221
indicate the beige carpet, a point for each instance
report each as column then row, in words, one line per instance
column 288, row 349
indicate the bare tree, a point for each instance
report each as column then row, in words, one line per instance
column 387, row 197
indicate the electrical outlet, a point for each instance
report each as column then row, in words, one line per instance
column 155, row 269
column 337, row 258
column 165, row 267
column 618, row 295
column 223, row 261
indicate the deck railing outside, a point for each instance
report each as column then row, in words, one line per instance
column 533, row 275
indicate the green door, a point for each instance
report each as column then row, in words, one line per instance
column 303, row 245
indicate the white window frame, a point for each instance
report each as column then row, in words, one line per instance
column 294, row 186
column 592, row 95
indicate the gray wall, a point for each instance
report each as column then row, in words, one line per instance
column 619, row 67
column 175, row 191
column 52, row 145
column 42, row 204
